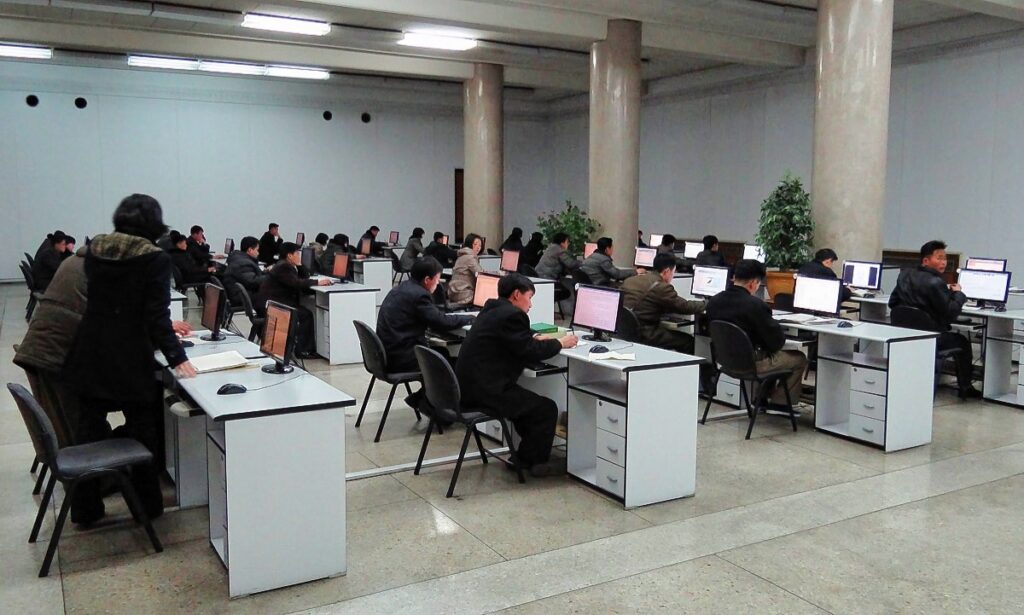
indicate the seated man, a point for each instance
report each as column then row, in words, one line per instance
column 710, row 256
column 244, row 268
column 600, row 268
column 821, row 267
column 270, row 244
column 498, row 347
column 376, row 247
column 197, row 247
column 738, row 305
column 556, row 262
column 667, row 245
column 925, row 289
column 48, row 259
column 651, row 296
column 640, row 239
column 192, row 271
column 284, row 284
column 441, row 252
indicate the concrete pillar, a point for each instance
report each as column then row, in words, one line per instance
column 483, row 204
column 851, row 126
column 615, row 88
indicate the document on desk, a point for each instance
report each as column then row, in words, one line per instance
column 219, row 361
column 798, row 318
column 615, row 356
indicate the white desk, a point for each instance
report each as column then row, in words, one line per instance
column 177, row 305
column 334, row 308
column 276, row 468
column 376, row 273
column 1003, row 336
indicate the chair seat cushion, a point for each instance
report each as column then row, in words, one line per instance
column 74, row 461
column 774, row 373
column 400, row 377
column 469, row 416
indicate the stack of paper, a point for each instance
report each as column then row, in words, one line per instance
column 217, row 362
column 617, row 356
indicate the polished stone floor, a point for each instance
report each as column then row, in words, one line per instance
column 784, row 523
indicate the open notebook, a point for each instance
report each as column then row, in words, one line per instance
column 217, row 362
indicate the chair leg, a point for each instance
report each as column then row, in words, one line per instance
column 138, row 511
column 43, row 505
column 707, row 408
column 384, row 417
column 423, row 449
column 408, row 390
column 458, row 464
column 366, row 399
column 51, row 549
column 789, row 402
column 40, row 479
column 751, row 411
column 506, row 435
column 479, row 444
column 35, row 466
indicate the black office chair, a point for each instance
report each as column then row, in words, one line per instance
column 909, row 317
column 33, row 294
column 528, row 270
column 784, row 302
column 711, row 386
column 396, row 268
column 183, row 287
column 375, row 360
column 628, row 326
column 44, row 391
column 28, row 259
column 580, row 277
column 256, row 322
column 734, row 354
column 74, row 465
column 491, row 252
column 445, row 397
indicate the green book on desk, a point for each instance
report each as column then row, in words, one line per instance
column 543, row 327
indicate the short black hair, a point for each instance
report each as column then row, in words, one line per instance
column 249, row 242
column 272, row 226
column 560, row 238
column 69, row 239
column 438, row 235
column 748, row 269
column 417, row 232
column 709, row 241
column 140, row 215
column 668, row 239
column 825, row 254
column 603, row 244
column 664, row 261
column 57, row 237
column 340, row 239
column 374, row 228
column 426, row 267
column 176, row 238
column 512, row 282
column 321, row 238
column 930, row 247
column 195, row 229
column 288, row 248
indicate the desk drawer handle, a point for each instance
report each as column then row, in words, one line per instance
column 869, row 406
column 868, row 430
column 612, row 449
column 612, row 419
column 866, row 381
column 611, row 479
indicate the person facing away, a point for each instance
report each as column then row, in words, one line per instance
column 337, row 245
column 924, row 288
column 319, row 245
column 270, row 244
column 640, row 243
column 530, row 254
column 243, row 267
column 465, row 270
column 738, row 305
column 651, row 296
column 191, row 270
column 821, row 267
column 285, row 283
column 514, row 241
column 444, row 254
column 413, row 249
column 600, row 268
column 499, row 346
column 556, row 262
column 710, row 256
column 48, row 258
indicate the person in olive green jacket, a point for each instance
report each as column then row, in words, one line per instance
column 651, row 296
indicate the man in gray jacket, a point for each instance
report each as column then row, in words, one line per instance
column 556, row 262
column 244, row 267
column 600, row 268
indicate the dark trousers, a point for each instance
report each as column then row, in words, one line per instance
column 534, row 417
column 964, row 359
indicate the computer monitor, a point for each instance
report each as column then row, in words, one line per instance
column 817, row 295
column 214, row 307
column 300, row 238
column 486, row 288
column 307, row 258
column 365, row 245
column 340, row 270
column 229, row 245
column 985, row 286
column 393, row 238
column 752, row 252
column 509, row 261
column 589, row 248
column 708, row 281
column 863, row 274
column 986, row 264
column 645, row 257
column 279, row 337
column 692, row 249
column 656, row 240
column 597, row 308
column 444, row 240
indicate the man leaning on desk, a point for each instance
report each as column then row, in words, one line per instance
column 924, row 288
column 652, row 297
column 497, row 349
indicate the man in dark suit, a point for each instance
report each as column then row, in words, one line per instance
column 738, row 305
column 48, row 259
column 710, row 256
column 270, row 244
column 197, row 248
column 498, row 347
column 444, row 255
column 821, row 267
column 285, row 284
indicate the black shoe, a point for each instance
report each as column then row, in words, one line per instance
column 307, row 355
column 554, row 467
column 414, row 400
column 969, row 393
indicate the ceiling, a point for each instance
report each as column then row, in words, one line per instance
column 543, row 44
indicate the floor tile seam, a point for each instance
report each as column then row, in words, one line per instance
column 831, row 456
column 470, row 532
column 774, row 584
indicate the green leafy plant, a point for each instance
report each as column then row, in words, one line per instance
column 786, row 230
column 572, row 221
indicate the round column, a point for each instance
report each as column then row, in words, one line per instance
column 483, row 204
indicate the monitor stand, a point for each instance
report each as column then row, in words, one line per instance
column 278, row 368
column 214, row 337
column 598, row 336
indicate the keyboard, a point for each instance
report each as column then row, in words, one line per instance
column 676, row 318
column 444, row 336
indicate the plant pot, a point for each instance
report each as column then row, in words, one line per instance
column 780, row 282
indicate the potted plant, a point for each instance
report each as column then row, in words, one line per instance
column 572, row 221
column 785, row 232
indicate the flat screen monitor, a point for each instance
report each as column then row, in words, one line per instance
column 486, row 288
column 278, row 340
column 692, row 249
column 986, row 264
column 645, row 257
column 817, row 295
column 656, row 240
column 213, row 312
column 340, row 266
column 229, row 245
column 509, row 261
column 365, row 245
column 751, row 252
column 863, row 274
column 985, row 285
column 597, row 308
column 393, row 238
column 300, row 238
column 307, row 258
column 589, row 248
column 708, row 281
column 444, row 240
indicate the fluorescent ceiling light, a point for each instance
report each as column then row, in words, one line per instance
column 158, row 62
column 24, row 51
column 232, row 67
column 286, row 24
column 296, row 72
column 435, row 40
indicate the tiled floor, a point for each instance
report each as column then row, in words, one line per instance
column 785, row 523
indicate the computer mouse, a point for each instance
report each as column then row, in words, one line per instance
column 599, row 348
column 231, row 389
column 187, row 344
column 844, row 324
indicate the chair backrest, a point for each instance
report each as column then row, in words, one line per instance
column 734, row 351
column 440, row 385
column 581, row 277
column 179, row 280
column 40, row 429
column 243, row 296
column 528, row 270
column 492, row 252
column 913, row 318
column 396, row 263
column 375, row 358
column 26, row 271
column 783, row 301
column 28, row 259
column 628, row 325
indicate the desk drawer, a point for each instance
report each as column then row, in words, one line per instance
column 867, row 405
column 611, row 478
column 611, row 417
column 728, row 392
column 728, row 379
column 611, row 447
column 869, row 430
column 868, row 380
